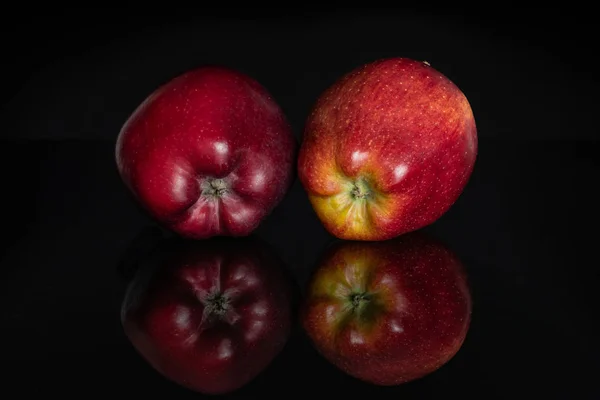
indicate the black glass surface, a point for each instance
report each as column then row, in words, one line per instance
column 524, row 228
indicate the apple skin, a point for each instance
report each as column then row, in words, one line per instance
column 388, row 312
column 174, row 317
column 387, row 150
column 209, row 153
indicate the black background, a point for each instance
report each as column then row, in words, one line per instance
column 525, row 226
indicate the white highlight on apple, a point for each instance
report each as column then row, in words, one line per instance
column 254, row 330
column 330, row 315
column 358, row 156
column 386, row 280
column 356, row 338
column 182, row 317
column 259, row 309
column 225, row 349
column 258, row 181
column 179, row 185
column 221, row 148
column 399, row 172
column 240, row 215
column 396, row 327
column 244, row 276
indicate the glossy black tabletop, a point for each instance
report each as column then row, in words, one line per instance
column 525, row 229
column 520, row 232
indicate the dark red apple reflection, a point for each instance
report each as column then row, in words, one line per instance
column 209, row 315
column 388, row 312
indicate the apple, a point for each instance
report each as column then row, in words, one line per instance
column 209, row 153
column 387, row 149
column 209, row 315
column 388, row 312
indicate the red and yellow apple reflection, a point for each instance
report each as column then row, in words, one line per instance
column 388, row 312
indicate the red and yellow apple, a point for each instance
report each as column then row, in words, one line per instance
column 209, row 315
column 388, row 312
column 387, row 149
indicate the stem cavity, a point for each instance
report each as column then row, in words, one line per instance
column 358, row 299
column 216, row 304
column 360, row 190
column 214, row 187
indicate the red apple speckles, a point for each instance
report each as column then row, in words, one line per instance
column 388, row 312
column 209, row 153
column 387, row 150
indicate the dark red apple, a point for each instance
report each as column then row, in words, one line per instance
column 209, row 153
column 209, row 315
column 387, row 150
column 388, row 312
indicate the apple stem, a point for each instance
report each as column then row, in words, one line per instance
column 360, row 191
column 217, row 304
column 357, row 299
column 214, row 187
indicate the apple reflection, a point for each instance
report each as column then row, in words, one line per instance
column 388, row 312
column 209, row 315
